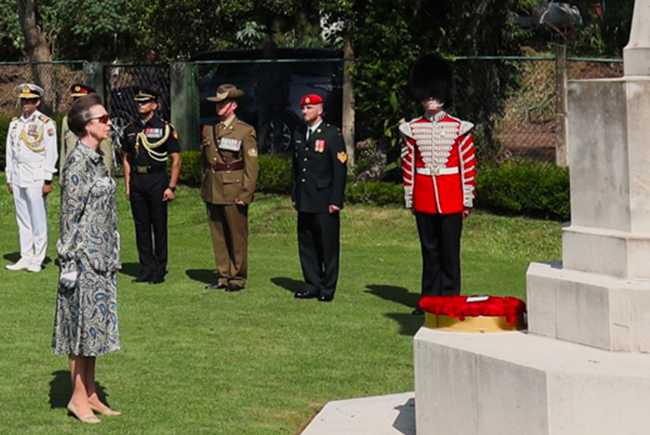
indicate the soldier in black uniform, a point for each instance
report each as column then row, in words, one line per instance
column 150, row 141
column 319, row 175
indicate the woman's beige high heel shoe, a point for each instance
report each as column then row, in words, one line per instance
column 106, row 412
column 89, row 418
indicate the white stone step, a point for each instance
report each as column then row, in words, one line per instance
column 379, row 415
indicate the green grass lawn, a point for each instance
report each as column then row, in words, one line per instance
column 256, row 362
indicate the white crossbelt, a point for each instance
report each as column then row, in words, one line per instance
column 437, row 171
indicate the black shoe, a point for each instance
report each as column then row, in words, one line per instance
column 217, row 286
column 234, row 287
column 154, row 281
column 417, row 312
column 141, row 279
column 305, row 295
column 323, row 298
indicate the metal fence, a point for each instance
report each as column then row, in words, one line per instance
column 273, row 93
column 121, row 84
column 513, row 101
column 55, row 78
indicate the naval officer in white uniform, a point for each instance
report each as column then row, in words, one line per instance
column 31, row 162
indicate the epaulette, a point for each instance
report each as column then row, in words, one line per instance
column 15, row 118
column 44, row 118
column 465, row 126
column 405, row 129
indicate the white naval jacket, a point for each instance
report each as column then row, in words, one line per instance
column 31, row 150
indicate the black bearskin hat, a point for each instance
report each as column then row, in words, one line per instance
column 432, row 76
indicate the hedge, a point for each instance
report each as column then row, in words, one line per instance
column 529, row 189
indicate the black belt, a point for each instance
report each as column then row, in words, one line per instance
column 148, row 169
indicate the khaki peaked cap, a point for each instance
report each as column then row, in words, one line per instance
column 227, row 91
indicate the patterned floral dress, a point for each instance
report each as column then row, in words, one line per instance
column 86, row 316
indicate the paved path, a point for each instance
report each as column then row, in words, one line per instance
column 380, row 415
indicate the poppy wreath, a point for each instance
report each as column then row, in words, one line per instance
column 458, row 307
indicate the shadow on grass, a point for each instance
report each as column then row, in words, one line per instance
column 61, row 390
column 130, row 269
column 12, row 257
column 409, row 323
column 400, row 295
column 289, row 284
column 206, row 276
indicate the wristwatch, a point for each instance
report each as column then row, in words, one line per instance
column 173, row 189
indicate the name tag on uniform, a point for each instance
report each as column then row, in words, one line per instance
column 153, row 133
column 229, row 144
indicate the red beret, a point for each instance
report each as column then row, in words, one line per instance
column 311, row 99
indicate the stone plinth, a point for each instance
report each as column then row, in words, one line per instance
column 610, row 178
column 515, row 383
column 587, row 308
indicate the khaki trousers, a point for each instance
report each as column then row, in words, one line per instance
column 229, row 230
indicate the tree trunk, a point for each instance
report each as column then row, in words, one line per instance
column 37, row 50
column 348, row 101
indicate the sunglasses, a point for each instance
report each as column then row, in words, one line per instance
column 101, row 118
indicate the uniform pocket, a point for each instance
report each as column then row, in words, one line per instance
column 231, row 177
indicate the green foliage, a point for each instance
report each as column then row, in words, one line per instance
column 251, row 34
column 11, row 36
column 4, row 127
column 274, row 177
column 374, row 193
column 530, row 189
column 275, row 174
column 191, row 168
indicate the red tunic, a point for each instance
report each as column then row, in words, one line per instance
column 438, row 164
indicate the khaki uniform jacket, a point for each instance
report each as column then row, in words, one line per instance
column 234, row 145
column 69, row 140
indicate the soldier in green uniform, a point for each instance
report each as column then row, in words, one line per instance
column 150, row 141
column 319, row 176
column 231, row 167
column 69, row 140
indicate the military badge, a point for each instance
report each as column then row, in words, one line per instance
column 175, row 134
column 153, row 133
column 342, row 157
column 319, row 145
column 229, row 144
column 50, row 131
column 252, row 152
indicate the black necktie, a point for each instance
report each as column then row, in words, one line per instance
column 309, row 133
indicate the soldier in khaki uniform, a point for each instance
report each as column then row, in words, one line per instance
column 229, row 154
column 69, row 140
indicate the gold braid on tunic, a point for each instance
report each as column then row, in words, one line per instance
column 31, row 143
column 151, row 146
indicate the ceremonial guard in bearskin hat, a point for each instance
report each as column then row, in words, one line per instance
column 69, row 140
column 438, row 169
column 319, row 174
column 31, row 156
column 150, row 142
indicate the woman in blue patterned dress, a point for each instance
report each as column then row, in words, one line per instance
column 86, row 324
